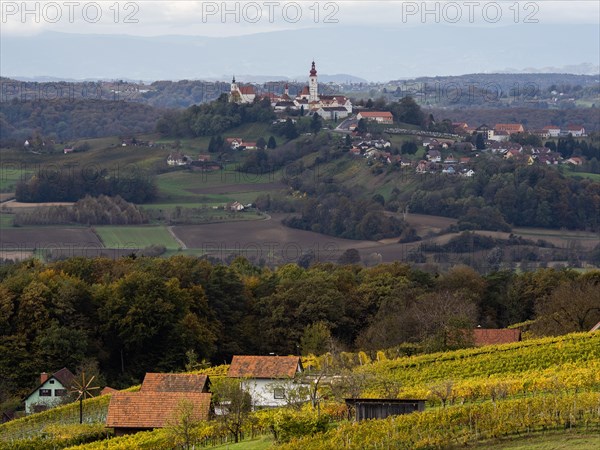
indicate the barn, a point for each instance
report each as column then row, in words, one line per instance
column 375, row 408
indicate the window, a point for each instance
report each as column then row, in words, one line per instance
column 45, row 392
column 51, row 381
column 60, row 392
column 278, row 393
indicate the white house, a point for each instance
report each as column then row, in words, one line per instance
column 268, row 379
column 576, row 130
column 235, row 206
column 385, row 117
column 178, row 159
column 552, row 130
column 50, row 391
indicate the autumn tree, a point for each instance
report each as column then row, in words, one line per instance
column 232, row 404
column 573, row 306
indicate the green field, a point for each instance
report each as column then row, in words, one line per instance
column 136, row 237
column 591, row 176
column 10, row 175
column 6, row 220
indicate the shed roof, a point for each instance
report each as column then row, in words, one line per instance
column 488, row 336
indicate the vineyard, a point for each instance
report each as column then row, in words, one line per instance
column 503, row 360
column 472, row 395
column 461, row 425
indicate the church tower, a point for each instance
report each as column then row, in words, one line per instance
column 312, row 85
column 234, row 94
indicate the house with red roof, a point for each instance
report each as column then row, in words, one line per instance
column 266, row 378
column 552, row 130
column 384, row 117
column 510, row 128
column 157, row 403
column 576, row 130
column 132, row 412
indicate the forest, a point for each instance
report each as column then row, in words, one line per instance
column 136, row 186
column 63, row 120
column 133, row 315
column 533, row 196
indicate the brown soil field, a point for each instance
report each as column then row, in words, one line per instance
column 267, row 239
column 16, row 256
column 17, row 239
column 11, row 204
column 277, row 243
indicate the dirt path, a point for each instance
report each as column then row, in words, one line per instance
column 179, row 241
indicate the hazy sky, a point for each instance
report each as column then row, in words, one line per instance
column 217, row 18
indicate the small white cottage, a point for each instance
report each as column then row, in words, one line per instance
column 266, row 378
column 50, row 392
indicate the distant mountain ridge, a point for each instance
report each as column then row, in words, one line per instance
column 367, row 52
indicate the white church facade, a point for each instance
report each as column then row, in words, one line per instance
column 331, row 107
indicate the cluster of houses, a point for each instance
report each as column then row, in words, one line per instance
column 502, row 131
column 202, row 164
column 268, row 379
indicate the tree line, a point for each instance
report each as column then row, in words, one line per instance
column 69, row 186
column 101, row 210
column 134, row 315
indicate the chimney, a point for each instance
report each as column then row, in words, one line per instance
column 43, row 377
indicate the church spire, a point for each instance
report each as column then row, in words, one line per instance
column 313, row 70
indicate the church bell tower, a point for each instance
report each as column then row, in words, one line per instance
column 313, row 85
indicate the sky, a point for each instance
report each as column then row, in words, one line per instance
column 235, row 18
column 376, row 40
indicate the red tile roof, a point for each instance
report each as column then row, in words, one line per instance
column 174, row 382
column 247, row 90
column 488, row 336
column 264, row 366
column 509, row 127
column 152, row 410
column 385, row 114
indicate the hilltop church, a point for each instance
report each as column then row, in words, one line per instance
column 330, row 107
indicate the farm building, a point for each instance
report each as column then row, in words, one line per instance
column 132, row 412
column 266, row 378
column 374, row 408
column 157, row 402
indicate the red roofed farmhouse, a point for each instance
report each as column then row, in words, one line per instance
column 266, row 378
column 385, row 117
column 132, row 412
column 157, row 403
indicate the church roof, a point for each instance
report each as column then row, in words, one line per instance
column 247, row 90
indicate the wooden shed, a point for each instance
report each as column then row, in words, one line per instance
column 376, row 408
